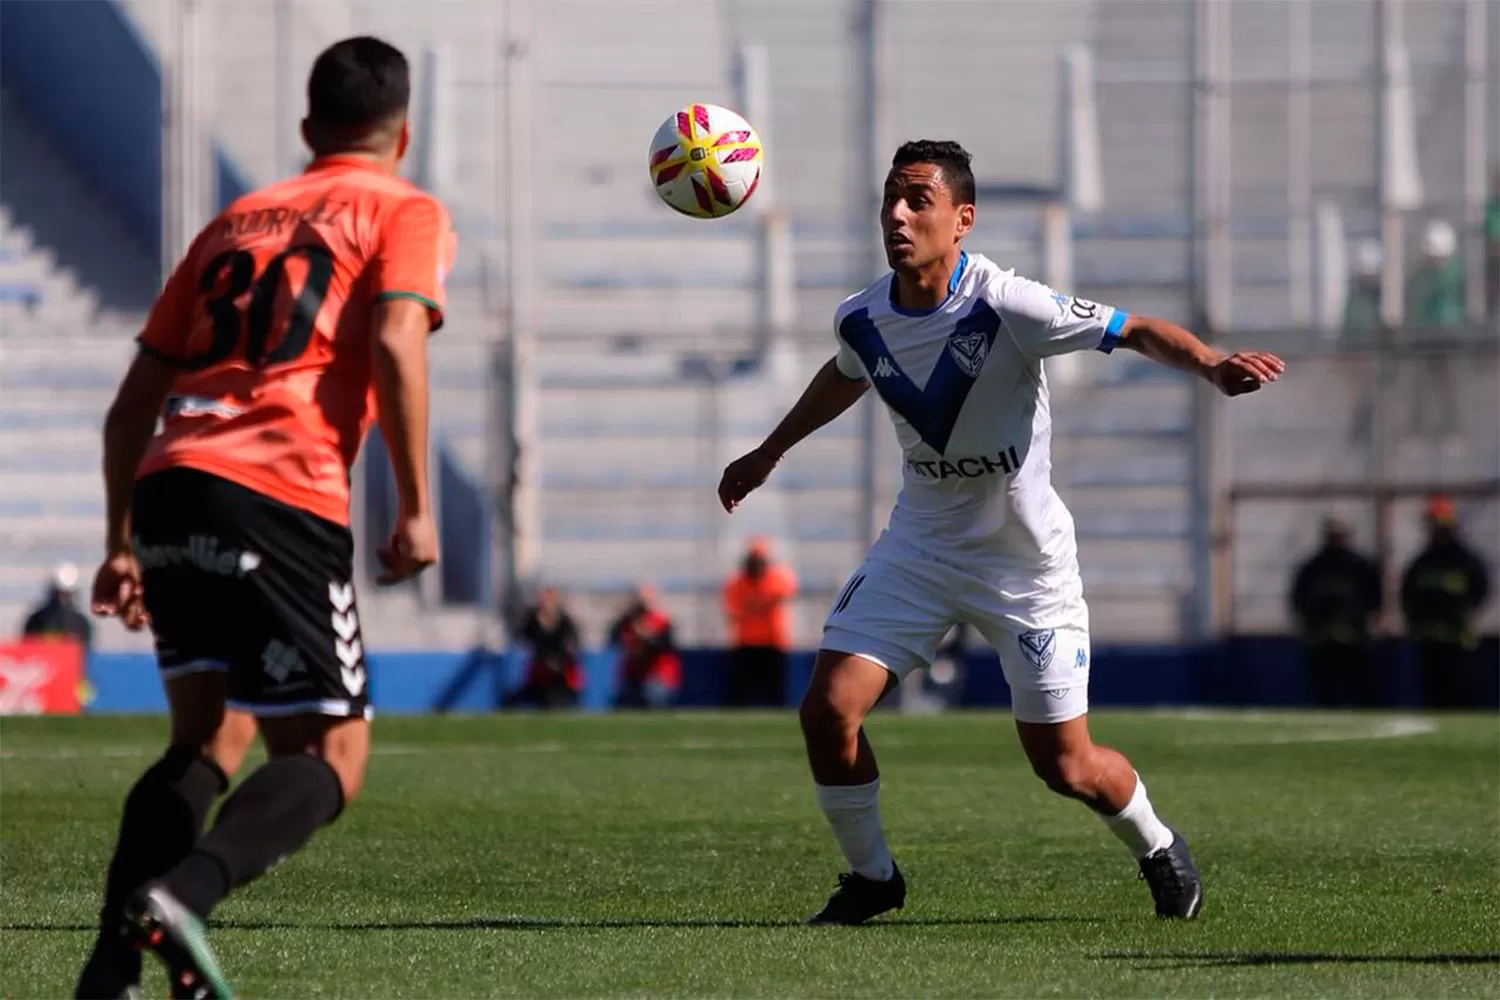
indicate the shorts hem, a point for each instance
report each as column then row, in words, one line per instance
column 336, row 707
column 1047, row 718
column 203, row 666
column 897, row 661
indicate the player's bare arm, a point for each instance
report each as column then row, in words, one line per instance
column 127, row 431
column 826, row 397
column 1171, row 345
column 399, row 356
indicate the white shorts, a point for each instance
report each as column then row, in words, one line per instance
column 897, row 607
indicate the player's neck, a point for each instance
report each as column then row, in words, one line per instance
column 384, row 162
column 926, row 287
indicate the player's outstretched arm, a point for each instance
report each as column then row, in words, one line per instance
column 1171, row 345
column 399, row 362
column 828, row 395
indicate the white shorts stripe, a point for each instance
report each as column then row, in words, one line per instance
column 326, row 706
column 194, row 667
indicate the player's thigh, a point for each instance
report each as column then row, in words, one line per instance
column 892, row 612
column 342, row 742
column 187, row 544
column 843, row 689
column 1046, row 669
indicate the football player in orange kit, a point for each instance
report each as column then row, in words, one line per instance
column 296, row 318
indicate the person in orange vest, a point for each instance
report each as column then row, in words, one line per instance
column 756, row 606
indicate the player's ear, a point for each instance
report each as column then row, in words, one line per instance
column 965, row 220
column 403, row 141
column 307, row 135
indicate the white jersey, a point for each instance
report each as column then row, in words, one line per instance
column 966, row 391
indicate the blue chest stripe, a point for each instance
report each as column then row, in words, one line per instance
column 933, row 409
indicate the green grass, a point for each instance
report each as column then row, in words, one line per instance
column 674, row 856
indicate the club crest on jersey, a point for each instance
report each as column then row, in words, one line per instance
column 969, row 350
column 1038, row 645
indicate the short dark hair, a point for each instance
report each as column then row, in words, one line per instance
column 358, row 83
column 950, row 156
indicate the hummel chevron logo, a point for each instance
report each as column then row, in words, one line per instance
column 345, row 624
column 349, row 653
column 354, row 680
column 342, row 596
column 351, row 656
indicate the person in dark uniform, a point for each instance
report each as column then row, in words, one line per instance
column 552, row 675
column 58, row 617
column 1335, row 596
column 1440, row 591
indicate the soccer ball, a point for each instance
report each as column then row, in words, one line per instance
column 705, row 161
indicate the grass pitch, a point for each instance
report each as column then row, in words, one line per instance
column 1352, row 855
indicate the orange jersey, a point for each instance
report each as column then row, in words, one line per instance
column 269, row 317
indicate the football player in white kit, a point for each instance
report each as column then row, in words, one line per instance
column 955, row 345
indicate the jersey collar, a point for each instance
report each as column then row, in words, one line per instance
column 958, row 276
column 342, row 161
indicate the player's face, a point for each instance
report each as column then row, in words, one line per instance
column 919, row 220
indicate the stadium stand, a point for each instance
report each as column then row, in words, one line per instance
column 629, row 447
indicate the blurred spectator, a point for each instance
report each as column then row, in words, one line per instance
column 1492, row 246
column 1335, row 596
column 1437, row 287
column 552, row 673
column 945, row 678
column 1362, row 304
column 756, row 606
column 650, row 671
column 1440, row 591
column 58, row 616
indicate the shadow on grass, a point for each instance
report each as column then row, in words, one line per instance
column 545, row 924
column 1163, row 960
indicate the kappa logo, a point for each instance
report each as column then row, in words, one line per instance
column 969, row 350
column 884, row 369
column 1038, row 646
column 346, row 644
column 1081, row 660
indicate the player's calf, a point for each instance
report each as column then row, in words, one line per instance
column 317, row 765
column 1064, row 756
column 847, row 780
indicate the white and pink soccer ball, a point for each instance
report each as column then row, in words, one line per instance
column 705, row 161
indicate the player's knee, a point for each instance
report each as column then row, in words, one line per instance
column 1067, row 774
column 823, row 716
column 342, row 744
column 346, row 749
column 231, row 742
column 351, row 774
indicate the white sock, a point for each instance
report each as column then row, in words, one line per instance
column 854, row 815
column 1137, row 824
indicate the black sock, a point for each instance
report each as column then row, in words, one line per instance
column 273, row 813
column 163, row 816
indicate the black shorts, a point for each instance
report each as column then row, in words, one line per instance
column 241, row 583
